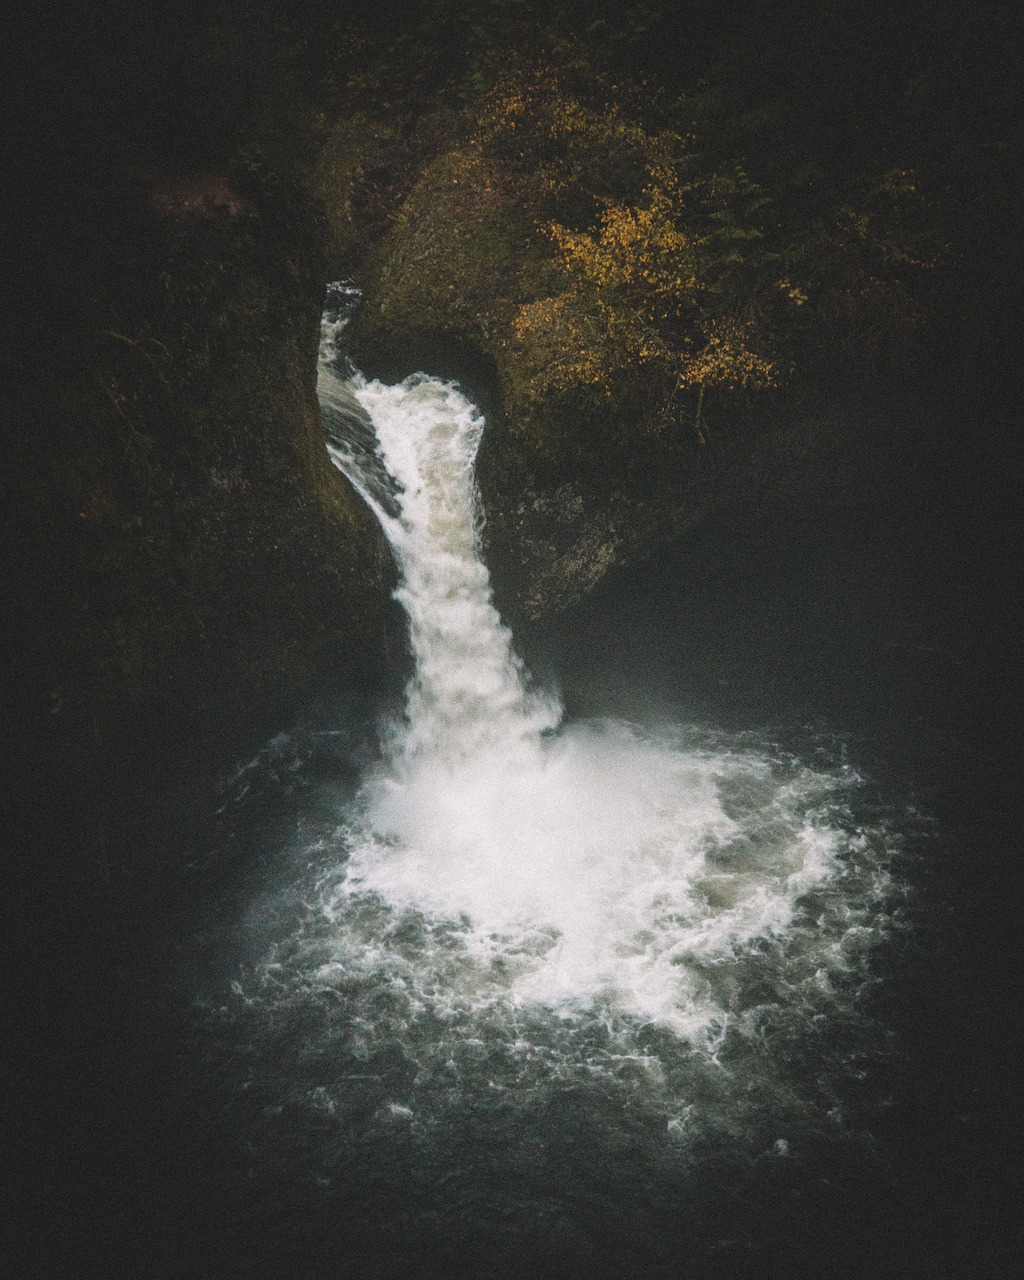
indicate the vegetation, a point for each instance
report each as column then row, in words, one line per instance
column 639, row 313
column 648, row 251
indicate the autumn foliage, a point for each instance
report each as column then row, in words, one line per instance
column 644, row 257
column 637, row 302
column 637, row 308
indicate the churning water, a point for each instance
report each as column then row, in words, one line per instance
column 586, row 870
column 534, row 981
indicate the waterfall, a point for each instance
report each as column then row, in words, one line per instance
column 468, row 699
column 572, row 867
column 508, row 981
column 507, row 992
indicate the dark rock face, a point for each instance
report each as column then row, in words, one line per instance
column 184, row 572
column 183, row 566
column 556, row 541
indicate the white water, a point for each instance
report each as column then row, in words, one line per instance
column 578, row 867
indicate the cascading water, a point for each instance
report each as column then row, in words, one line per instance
column 583, row 866
column 592, row 866
column 520, row 936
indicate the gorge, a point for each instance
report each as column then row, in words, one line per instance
column 684, row 944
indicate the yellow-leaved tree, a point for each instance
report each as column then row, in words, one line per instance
column 639, row 310
column 637, row 302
